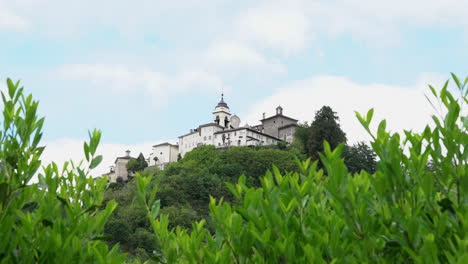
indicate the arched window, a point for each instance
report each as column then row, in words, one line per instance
column 217, row 120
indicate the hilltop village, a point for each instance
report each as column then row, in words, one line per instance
column 223, row 131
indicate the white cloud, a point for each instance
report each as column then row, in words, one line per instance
column 11, row 21
column 290, row 26
column 67, row 149
column 239, row 57
column 285, row 25
column 379, row 21
column 114, row 76
column 402, row 107
column 282, row 27
column 121, row 78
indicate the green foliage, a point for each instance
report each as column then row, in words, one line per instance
column 128, row 225
column 325, row 127
column 58, row 219
column 360, row 157
column 137, row 164
column 301, row 138
column 184, row 190
column 403, row 213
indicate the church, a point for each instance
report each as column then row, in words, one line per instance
column 225, row 131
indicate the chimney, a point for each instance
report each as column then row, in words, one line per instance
column 264, row 115
column 127, row 153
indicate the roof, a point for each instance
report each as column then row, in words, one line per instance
column 276, row 116
column 124, row 157
column 200, row 126
column 210, row 124
column 247, row 128
column 222, row 103
column 165, row 143
column 286, row 126
column 193, row 132
column 221, row 111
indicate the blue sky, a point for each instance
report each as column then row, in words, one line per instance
column 148, row 71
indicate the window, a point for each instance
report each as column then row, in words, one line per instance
column 209, row 137
column 238, row 142
column 204, row 138
column 160, row 153
column 235, row 133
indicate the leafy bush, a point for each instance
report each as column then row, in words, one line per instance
column 359, row 157
column 58, row 219
column 403, row 213
column 137, row 164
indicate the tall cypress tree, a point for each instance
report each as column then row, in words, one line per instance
column 325, row 127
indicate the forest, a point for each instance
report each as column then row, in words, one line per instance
column 402, row 198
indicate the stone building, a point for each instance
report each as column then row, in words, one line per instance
column 119, row 169
column 279, row 126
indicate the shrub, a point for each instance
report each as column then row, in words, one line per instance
column 58, row 219
column 403, row 213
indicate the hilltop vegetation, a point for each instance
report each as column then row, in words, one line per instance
column 184, row 190
column 412, row 207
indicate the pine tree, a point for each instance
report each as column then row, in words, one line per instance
column 324, row 127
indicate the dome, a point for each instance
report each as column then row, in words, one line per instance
column 235, row 121
column 222, row 103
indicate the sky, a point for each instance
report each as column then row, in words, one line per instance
column 147, row 71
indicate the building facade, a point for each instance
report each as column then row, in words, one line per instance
column 225, row 131
column 163, row 154
column 119, row 169
column 279, row 126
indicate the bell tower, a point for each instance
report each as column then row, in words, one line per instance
column 222, row 113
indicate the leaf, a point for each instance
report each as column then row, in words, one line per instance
column 30, row 207
column 86, row 151
column 90, row 209
column 158, row 258
column 3, row 191
column 455, row 78
column 64, row 201
column 46, row 223
column 103, row 238
column 155, row 209
column 370, row 113
column 11, row 88
column 95, row 162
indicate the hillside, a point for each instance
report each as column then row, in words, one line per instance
column 184, row 190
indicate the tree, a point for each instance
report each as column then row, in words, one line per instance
column 301, row 138
column 360, row 157
column 60, row 218
column 324, row 127
column 137, row 164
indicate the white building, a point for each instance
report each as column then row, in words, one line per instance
column 243, row 136
column 163, row 154
column 225, row 131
